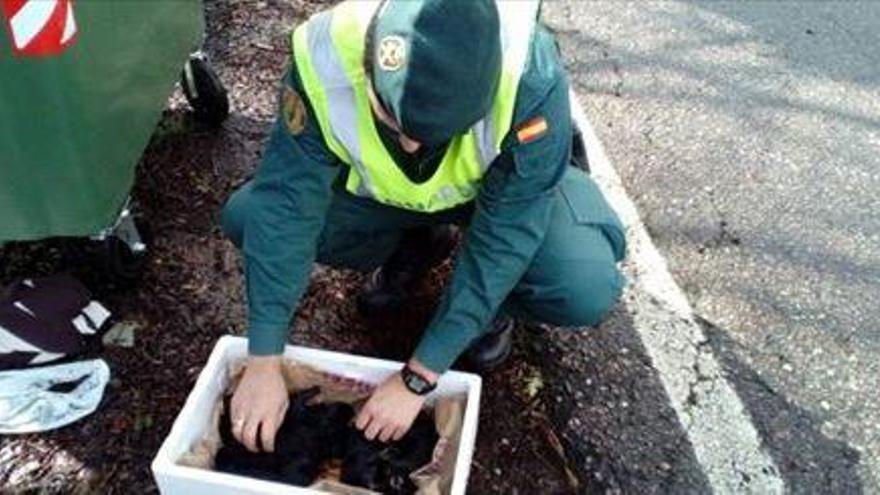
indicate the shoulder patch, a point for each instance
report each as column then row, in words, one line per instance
column 294, row 111
column 531, row 130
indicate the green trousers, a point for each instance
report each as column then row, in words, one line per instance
column 573, row 279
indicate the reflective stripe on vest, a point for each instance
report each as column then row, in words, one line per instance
column 329, row 52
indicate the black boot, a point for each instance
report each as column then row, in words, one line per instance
column 493, row 348
column 391, row 287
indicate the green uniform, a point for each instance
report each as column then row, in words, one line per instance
column 541, row 242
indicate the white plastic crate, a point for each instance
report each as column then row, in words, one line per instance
column 192, row 421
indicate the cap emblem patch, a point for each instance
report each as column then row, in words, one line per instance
column 392, row 53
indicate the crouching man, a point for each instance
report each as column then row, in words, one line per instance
column 396, row 120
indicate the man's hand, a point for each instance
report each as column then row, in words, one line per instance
column 392, row 408
column 259, row 403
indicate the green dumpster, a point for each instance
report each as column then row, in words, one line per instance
column 82, row 87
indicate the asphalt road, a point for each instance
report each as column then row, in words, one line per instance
column 748, row 134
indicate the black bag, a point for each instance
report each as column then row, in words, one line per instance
column 47, row 320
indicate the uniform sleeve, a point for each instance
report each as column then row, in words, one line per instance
column 511, row 217
column 291, row 194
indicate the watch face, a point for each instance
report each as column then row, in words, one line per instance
column 416, row 383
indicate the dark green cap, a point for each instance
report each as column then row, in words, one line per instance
column 435, row 64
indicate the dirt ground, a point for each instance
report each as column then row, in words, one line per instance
column 191, row 293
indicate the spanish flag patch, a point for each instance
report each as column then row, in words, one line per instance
column 531, row 130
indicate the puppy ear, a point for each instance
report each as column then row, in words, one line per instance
column 310, row 393
column 300, row 399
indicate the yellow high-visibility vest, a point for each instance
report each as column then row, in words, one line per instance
column 329, row 53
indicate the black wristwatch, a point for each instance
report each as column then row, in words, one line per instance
column 415, row 382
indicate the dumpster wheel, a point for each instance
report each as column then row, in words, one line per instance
column 204, row 91
column 122, row 250
column 122, row 263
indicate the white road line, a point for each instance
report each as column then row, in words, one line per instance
column 725, row 441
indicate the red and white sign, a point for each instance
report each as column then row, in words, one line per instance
column 39, row 28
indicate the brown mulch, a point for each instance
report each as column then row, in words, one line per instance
column 191, row 293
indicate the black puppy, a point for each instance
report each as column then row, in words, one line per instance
column 312, row 434
column 411, row 452
column 386, row 467
column 309, row 435
column 362, row 463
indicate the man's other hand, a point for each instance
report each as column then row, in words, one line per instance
column 391, row 410
column 259, row 403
